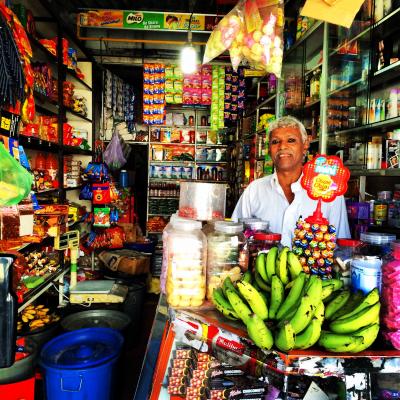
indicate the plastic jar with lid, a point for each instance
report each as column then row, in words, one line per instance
column 186, row 262
column 344, row 252
column 227, row 254
column 391, row 295
column 375, row 244
column 381, row 207
column 258, row 226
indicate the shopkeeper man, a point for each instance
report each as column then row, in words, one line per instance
column 279, row 198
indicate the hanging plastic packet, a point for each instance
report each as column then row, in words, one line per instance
column 15, row 181
column 224, row 34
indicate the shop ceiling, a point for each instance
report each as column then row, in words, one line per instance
column 129, row 46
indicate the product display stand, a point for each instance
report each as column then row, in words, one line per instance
column 206, row 330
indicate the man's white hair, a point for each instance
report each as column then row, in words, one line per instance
column 288, row 122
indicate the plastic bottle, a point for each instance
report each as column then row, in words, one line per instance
column 123, row 178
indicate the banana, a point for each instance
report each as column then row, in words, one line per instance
column 293, row 296
column 314, row 289
column 260, row 266
column 357, row 321
column 247, row 277
column 277, row 296
column 259, row 333
column 295, row 267
column 261, row 283
column 369, row 333
column 337, row 303
column 281, row 265
column 339, row 343
column 327, row 291
column 304, row 314
column 309, row 336
column 354, row 300
column 320, row 312
column 270, row 263
column 337, row 283
column 240, row 307
column 228, row 284
column 263, row 295
column 253, row 297
column 222, row 304
column 285, row 338
column 370, row 299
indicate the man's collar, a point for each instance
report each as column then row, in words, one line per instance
column 295, row 186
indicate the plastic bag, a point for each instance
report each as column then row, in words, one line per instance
column 224, row 34
column 15, row 181
column 258, row 38
column 114, row 156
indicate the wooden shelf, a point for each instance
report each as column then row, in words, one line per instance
column 34, row 143
column 68, row 110
column 76, row 150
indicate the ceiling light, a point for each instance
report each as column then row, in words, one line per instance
column 188, row 59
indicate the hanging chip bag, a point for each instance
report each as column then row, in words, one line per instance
column 15, row 181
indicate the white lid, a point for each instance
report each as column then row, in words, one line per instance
column 248, row 220
column 228, row 227
column 376, row 237
column 186, row 224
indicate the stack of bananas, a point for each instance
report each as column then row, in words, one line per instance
column 282, row 305
column 35, row 317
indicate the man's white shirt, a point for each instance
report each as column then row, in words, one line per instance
column 264, row 198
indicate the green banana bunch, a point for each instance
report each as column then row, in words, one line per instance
column 320, row 312
column 261, row 283
column 303, row 314
column 295, row 267
column 327, row 291
column 259, row 333
column 353, row 302
column 314, row 288
column 285, row 337
column 239, row 306
column 260, row 266
column 270, row 263
column 309, row 336
column 367, row 316
column 247, row 277
column 222, row 304
column 369, row 333
column 338, row 343
column 371, row 298
column 277, row 296
column 337, row 283
column 254, row 299
column 228, row 285
column 281, row 265
column 293, row 296
column 337, row 303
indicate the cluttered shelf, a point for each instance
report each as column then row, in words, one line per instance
column 79, row 82
column 76, row 114
column 36, row 43
column 76, row 150
column 37, row 291
column 34, row 143
column 385, row 124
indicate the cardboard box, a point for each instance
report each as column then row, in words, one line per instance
column 127, row 261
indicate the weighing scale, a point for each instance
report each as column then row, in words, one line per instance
column 93, row 291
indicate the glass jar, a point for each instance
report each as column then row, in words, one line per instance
column 187, row 257
column 261, row 241
column 381, row 207
column 227, row 254
column 390, row 295
column 343, row 254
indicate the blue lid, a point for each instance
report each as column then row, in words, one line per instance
column 82, row 348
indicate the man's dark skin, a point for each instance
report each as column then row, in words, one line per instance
column 287, row 150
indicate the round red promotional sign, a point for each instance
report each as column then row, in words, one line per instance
column 325, row 178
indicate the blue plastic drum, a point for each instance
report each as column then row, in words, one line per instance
column 79, row 365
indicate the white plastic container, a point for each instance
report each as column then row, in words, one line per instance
column 186, row 264
column 227, row 254
column 202, row 201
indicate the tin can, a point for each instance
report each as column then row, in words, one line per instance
column 366, row 273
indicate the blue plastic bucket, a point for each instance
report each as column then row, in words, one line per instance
column 79, row 365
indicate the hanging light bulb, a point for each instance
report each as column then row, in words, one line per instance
column 188, row 59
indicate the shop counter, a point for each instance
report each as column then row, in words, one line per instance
column 206, row 330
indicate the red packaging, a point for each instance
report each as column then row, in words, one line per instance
column 185, row 353
column 101, row 193
column 177, row 390
column 177, row 381
column 179, row 372
column 182, row 363
column 199, row 373
column 204, row 357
